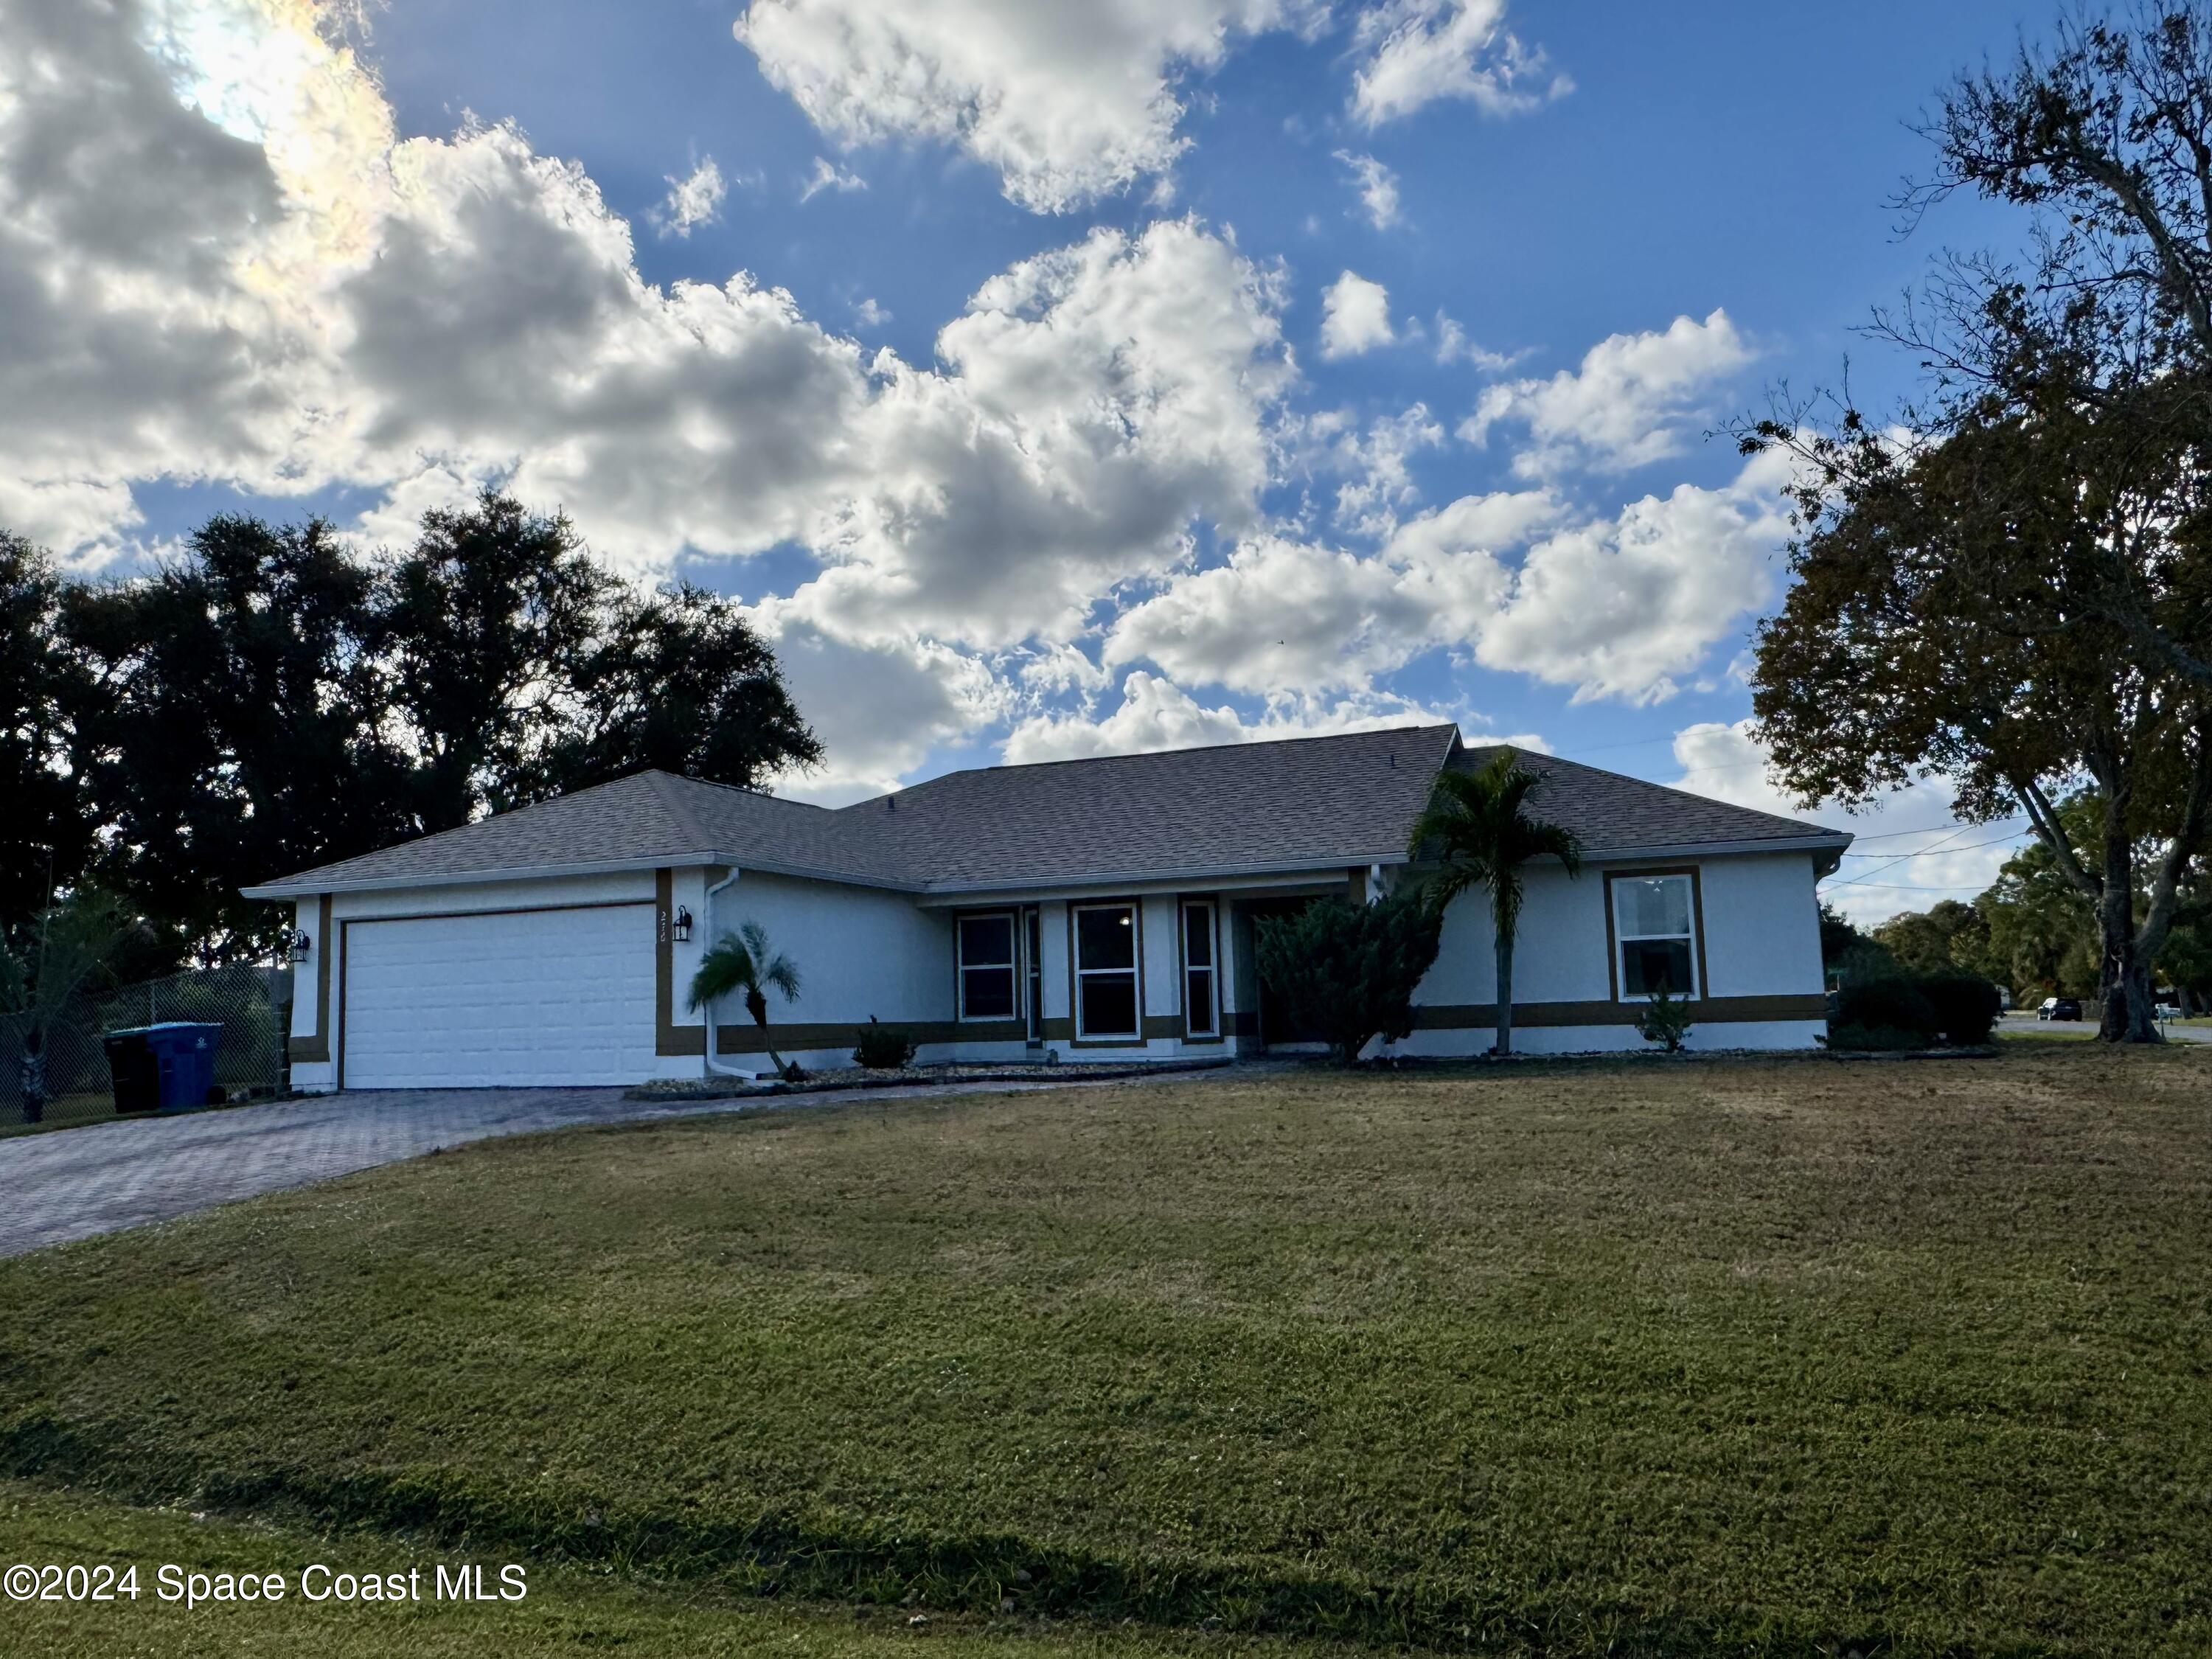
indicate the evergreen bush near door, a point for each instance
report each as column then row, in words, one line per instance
column 1348, row 970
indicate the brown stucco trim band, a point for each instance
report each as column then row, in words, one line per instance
column 797, row 1037
column 1708, row 1011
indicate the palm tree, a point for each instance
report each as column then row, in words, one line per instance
column 744, row 961
column 1481, row 837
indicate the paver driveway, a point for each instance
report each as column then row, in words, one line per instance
column 73, row 1183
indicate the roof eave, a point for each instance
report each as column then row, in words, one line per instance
column 307, row 886
column 1185, row 874
column 1825, row 841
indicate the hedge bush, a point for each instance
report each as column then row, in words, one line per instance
column 882, row 1048
column 1900, row 1009
column 1967, row 1006
column 1874, row 1039
column 1891, row 1001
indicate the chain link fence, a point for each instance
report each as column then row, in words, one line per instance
column 252, row 1005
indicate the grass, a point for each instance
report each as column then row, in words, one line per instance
column 564, row 1610
column 1731, row 1357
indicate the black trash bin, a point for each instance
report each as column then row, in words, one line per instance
column 136, row 1074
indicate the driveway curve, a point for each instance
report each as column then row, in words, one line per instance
column 104, row 1177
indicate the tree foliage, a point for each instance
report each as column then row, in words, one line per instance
column 1479, row 831
column 2010, row 587
column 46, row 833
column 1949, row 618
column 67, row 951
column 268, row 701
column 1349, row 971
column 231, row 725
column 1948, row 933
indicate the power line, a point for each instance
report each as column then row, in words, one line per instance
column 1861, row 881
column 1954, row 824
column 1925, row 851
column 1897, row 887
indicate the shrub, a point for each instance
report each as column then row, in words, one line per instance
column 1901, row 1009
column 1890, row 1002
column 1967, row 1006
column 1348, row 970
column 1665, row 1021
column 883, row 1048
column 1874, row 1039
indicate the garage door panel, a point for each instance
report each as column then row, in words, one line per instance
column 527, row 997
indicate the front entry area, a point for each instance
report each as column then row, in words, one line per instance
column 520, row 996
column 1275, row 1028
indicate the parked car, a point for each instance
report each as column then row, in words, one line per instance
column 2059, row 1008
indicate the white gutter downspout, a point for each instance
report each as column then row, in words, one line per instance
column 714, row 1065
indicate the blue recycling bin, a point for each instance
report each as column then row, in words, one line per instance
column 183, row 1053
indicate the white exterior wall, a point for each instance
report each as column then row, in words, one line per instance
column 1763, row 926
column 860, row 950
column 1760, row 918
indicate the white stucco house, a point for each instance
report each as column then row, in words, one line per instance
column 1098, row 908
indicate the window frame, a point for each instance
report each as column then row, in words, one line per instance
column 1076, row 972
column 1012, row 966
column 1617, row 942
column 1211, row 970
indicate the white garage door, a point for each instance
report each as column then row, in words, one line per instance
column 531, row 997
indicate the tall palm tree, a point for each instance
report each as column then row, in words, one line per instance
column 1476, row 828
column 744, row 961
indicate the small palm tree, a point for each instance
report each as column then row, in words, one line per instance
column 1475, row 825
column 744, row 961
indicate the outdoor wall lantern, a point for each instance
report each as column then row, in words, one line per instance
column 680, row 929
column 296, row 944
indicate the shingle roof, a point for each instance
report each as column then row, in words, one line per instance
column 1612, row 814
column 1302, row 804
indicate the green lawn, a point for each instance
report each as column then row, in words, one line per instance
column 1730, row 1357
column 563, row 1609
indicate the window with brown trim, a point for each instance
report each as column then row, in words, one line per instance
column 1655, row 930
column 1106, row 1002
column 1201, row 1000
column 986, row 945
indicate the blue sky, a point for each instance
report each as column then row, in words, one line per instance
column 1255, row 366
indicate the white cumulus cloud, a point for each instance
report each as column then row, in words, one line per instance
column 1155, row 713
column 1355, row 316
column 1418, row 51
column 1066, row 100
column 1629, row 402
